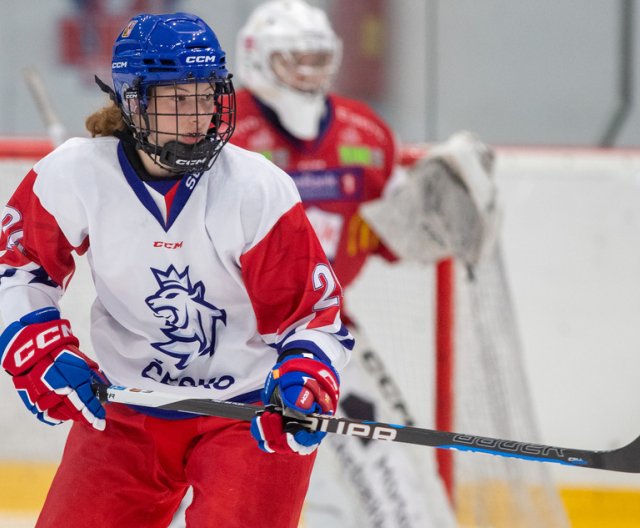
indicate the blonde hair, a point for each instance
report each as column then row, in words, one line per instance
column 105, row 121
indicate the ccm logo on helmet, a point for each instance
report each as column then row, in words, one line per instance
column 41, row 341
column 200, row 59
column 115, row 65
column 189, row 163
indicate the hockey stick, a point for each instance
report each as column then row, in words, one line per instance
column 55, row 129
column 625, row 459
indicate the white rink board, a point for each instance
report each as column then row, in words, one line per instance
column 571, row 241
column 572, row 244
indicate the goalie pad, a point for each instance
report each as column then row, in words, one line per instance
column 448, row 205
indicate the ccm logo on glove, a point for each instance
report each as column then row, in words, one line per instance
column 52, row 376
column 40, row 343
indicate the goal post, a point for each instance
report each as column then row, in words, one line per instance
column 445, row 322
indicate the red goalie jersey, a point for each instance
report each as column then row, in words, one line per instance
column 351, row 162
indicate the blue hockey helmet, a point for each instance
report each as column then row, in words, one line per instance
column 172, row 49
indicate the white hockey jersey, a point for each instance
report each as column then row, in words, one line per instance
column 198, row 290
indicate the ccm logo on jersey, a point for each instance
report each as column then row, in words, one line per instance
column 41, row 341
column 200, row 59
column 168, row 245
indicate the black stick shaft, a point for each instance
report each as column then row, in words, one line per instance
column 625, row 459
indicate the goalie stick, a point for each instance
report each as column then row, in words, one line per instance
column 625, row 459
column 55, row 129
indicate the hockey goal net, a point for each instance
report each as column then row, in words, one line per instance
column 462, row 368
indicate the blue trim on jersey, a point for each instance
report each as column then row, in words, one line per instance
column 161, row 413
column 180, row 199
column 249, row 397
column 345, row 338
column 138, row 186
column 162, row 186
column 7, row 273
column 306, row 346
column 40, row 276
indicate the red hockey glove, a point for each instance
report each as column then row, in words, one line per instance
column 299, row 385
column 52, row 376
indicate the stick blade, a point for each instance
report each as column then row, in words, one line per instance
column 626, row 459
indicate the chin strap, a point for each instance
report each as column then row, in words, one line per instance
column 182, row 156
column 106, row 89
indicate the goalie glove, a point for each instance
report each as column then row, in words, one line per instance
column 448, row 206
column 298, row 384
column 51, row 375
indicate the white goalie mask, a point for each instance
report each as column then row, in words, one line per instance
column 288, row 56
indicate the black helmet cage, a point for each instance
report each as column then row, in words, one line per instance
column 178, row 156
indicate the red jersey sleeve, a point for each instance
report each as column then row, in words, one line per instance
column 35, row 252
column 294, row 292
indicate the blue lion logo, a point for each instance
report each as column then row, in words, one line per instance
column 190, row 321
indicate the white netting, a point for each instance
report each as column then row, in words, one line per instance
column 395, row 305
column 493, row 398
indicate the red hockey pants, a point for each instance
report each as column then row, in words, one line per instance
column 134, row 474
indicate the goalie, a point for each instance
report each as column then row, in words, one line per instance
column 344, row 161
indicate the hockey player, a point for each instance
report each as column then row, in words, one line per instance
column 209, row 279
column 344, row 161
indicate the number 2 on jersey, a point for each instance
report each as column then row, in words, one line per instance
column 323, row 278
